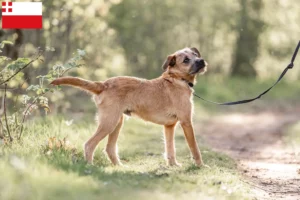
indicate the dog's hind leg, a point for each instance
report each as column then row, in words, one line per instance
column 169, row 132
column 108, row 120
column 111, row 147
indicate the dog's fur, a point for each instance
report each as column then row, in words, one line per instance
column 165, row 100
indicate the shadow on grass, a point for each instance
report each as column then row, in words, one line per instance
column 149, row 172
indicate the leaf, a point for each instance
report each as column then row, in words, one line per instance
column 25, row 99
column 50, row 49
column 4, row 42
column 33, row 87
column 39, row 91
column 81, row 52
column 3, row 58
column 49, row 76
column 18, row 64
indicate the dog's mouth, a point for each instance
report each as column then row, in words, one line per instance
column 198, row 67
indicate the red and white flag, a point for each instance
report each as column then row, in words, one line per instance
column 22, row 15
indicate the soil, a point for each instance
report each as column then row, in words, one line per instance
column 255, row 140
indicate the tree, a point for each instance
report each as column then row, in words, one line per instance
column 250, row 28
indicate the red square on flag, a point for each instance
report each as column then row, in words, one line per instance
column 22, row 15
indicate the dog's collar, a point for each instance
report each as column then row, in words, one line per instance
column 189, row 83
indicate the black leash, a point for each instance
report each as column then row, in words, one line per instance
column 290, row 66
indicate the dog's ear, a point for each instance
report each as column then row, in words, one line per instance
column 194, row 49
column 170, row 61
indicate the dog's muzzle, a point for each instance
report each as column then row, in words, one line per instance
column 197, row 66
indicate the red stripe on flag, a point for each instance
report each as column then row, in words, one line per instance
column 22, row 21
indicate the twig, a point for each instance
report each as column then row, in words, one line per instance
column 5, row 116
column 65, row 71
column 2, row 107
column 1, row 113
column 1, row 130
column 8, row 79
column 18, row 71
column 25, row 114
column 17, row 96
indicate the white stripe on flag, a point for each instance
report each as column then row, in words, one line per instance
column 24, row 8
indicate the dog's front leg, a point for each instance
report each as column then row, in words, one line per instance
column 191, row 140
column 170, row 153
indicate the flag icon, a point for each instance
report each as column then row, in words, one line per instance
column 22, row 15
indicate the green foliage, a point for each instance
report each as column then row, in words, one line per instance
column 50, row 163
column 50, row 49
column 12, row 125
column 18, row 64
column 4, row 42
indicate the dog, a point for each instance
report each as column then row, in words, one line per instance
column 165, row 100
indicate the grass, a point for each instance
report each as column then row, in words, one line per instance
column 225, row 89
column 292, row 138
column 33, row 169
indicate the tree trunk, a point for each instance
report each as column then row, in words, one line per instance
column 249, row 30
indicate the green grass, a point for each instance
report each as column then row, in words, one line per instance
column 292, row 137
column 225, row 89
column 31, row 170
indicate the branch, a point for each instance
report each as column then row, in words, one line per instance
column 8, row 79
column 2, row 107
column 25, row 114
column 5, row 116
column 1, row 130
column 1, row 124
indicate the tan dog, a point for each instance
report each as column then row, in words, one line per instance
column 165, row 100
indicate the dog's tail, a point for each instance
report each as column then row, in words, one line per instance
column 90, row 86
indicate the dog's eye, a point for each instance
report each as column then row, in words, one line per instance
column 186, row 60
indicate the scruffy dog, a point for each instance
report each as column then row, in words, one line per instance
column 165, row 100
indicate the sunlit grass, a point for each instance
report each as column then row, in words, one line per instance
column 32, row 170
column 225, row 89
column 292, row 138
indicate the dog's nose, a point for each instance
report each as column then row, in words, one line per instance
column 200, row 62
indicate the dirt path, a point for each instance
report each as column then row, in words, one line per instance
column 255, row 141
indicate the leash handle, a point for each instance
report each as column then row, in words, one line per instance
column 290, row 66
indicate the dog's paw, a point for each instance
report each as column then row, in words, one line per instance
column 205, row 166
column 118, row 164
column 173, row 163
column 125, row 166
column 199, row 163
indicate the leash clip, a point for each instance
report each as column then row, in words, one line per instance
column 291, row 65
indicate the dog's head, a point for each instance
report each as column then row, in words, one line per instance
column 185, row 63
